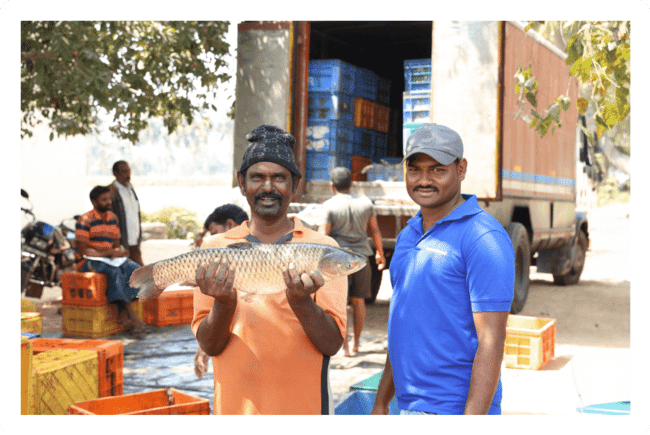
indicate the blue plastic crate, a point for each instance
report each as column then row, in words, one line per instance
column 416, row 107
column 417, row 75
column 379, row 146
column 330, row 106
column 331, row 75
column 365, row 85
column 317, row 174
column 330, row 136
column 362, row 142
column 361, row 403
column 383, row 91
column 611, row 408
column 326, row 160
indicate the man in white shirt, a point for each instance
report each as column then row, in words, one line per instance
column 127, row 208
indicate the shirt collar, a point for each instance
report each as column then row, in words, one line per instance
column 241, row 231
column 468, row 208
column 122, row 186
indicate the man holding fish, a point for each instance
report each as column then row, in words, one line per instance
column 270, row 302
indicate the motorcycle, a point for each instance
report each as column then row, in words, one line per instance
column 46, row 252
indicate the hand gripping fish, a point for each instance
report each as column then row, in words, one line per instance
column 258, row 266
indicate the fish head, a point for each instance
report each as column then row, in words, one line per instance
column 337, row 262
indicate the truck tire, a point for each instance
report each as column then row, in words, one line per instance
column 376, row 277
column 573, row 275
column 521, row 243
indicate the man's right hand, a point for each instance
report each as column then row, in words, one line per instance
column 217, row 280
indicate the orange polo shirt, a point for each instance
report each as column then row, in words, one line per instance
column 269, row 366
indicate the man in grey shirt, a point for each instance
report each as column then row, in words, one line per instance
column 348, row 218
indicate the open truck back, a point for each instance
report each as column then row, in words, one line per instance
column 526, row 182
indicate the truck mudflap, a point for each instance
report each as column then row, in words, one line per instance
column 567, row 262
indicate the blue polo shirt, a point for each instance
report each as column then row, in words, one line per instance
column 463, row 264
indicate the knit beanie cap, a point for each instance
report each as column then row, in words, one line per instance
column 269, row 143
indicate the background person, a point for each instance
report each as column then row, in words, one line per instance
column 453, row 278
column 127, row 208
column 97, row 237
column 222, row 219
column 349, row 217
column 271, row 353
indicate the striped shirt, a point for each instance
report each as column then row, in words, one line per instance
column 96, row 232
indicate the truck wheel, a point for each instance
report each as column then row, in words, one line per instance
column 519, row 237
column 573, row 275
column 376, row 277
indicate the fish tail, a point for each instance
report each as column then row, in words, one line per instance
column 142, row 278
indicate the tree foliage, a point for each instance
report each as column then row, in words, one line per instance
column 71, row 70
column 599, row 55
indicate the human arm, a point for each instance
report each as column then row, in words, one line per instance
column 385, row 390
column 216, row 281
column 200, row 362
column 376, row 238
column 491, row 332
column 112, row 252
column 198, row 240
column 319, row 326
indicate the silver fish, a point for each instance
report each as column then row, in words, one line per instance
column 258, row 266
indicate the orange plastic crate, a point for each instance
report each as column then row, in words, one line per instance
column 84, row 288
column 364, row 113
column 174, row 307
column 94, row 322
column 110, row 355
column 382, row 118
column 358, row 163
column 168, row 401
column 530, row 342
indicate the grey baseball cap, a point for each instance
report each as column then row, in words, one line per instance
column 437, row 141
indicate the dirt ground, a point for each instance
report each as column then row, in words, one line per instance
column 595, row 313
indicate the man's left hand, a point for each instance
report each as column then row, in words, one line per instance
column 301, row 286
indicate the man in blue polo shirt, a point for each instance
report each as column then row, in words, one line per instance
column 453, row 278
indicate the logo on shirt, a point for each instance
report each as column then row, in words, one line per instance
column 437, row 251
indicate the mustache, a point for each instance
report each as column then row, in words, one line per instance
column 435, row 188
column 268, row 195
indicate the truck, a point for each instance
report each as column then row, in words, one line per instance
column 527, row 182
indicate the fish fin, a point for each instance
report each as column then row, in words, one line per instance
column 142, row 278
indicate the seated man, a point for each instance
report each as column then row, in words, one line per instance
column 98, row 242
column 222, row 219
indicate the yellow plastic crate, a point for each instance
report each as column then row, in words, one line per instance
column 94, row 322
column 31, row 323
column 63, row 377
column 530, row 342
column 26, row 380
column 27, row 306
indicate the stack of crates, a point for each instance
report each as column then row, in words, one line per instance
column 85, row 308
column 329, row 118
column 348, row 118
column 371, row 115
column 110, row 359
column 417, row 95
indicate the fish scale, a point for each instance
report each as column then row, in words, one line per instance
column 258, row 266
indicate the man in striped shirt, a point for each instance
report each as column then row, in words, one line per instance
column 98, row 242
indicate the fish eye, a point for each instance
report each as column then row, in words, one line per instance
column 349, row 265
